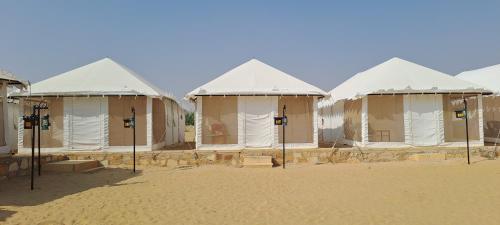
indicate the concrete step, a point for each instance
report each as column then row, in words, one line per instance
column 428, row 157
column 72, row 166
column 257, row 161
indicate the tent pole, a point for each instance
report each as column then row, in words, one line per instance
column 284, row 124
column 467, row 130
column 33, row 119
column 39, row 158
column 133, row 117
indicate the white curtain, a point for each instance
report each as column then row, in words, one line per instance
column 423, row 120
column 86, row 123
column 259, row 122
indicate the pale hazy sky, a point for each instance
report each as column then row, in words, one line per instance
column 179, row 45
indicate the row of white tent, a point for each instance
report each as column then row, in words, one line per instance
column 87, row 107
column 395, row 104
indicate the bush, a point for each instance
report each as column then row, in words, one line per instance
column 190, row 118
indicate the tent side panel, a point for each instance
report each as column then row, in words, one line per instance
column 491, row 113
column 299, row 111
column 198, row 122
column 120, row 108
column 385, row 118
column 52, row 138
column 352, row 119
column 220, row 120
column 159, row 123
column 454, row 128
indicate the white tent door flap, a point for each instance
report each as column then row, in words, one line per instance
column 258, row 122
column 86, row 122
column 423, row 109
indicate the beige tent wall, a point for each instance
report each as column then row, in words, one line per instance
column 52, row 138
column 299, row 111
column 385, row 118
column 491, row 116
column 352, row 119
column 454, row 128
column 120, row 108
column 220, row 120
column 159, row 121
column 176, row 122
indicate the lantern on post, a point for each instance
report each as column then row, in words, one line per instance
column 45, row 123
column 130, row 123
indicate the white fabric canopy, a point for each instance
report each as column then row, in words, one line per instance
column 400, row 76
column 489, row 77
column 255, row 78
column 104, row 77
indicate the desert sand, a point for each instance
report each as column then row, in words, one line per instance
column 448, row 192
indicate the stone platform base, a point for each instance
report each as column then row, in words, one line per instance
column 18, row 165
column 258, row 161
column 68, row 166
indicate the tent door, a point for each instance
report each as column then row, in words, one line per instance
column 424, row 125
column 86, row 125
column 258, row 122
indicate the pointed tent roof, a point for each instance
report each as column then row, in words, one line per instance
column 8, row 76
column 489, row 77
column 255, row 78
column 103, row 77
column 400, row 76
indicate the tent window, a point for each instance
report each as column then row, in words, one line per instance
column 220, row 120
column 385, row 118
column 352, row 120
column 491, row 114
column 454, row 128
column 299, row 111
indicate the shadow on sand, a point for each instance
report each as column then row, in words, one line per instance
column 52, row 186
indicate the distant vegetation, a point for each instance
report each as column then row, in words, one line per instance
column 190, row 118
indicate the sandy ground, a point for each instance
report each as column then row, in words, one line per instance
column 441, row 193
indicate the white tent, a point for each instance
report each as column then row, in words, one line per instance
column 87, row 106
column 236, row 110
column 7, row 79
column 488, row 77
column 400, row 104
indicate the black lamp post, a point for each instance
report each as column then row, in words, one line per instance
column 30, row 122
column 130, row 123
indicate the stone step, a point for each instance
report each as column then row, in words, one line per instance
column 258, row 161
column 428, row 157
column 68, row 166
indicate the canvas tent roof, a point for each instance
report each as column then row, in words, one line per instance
column 255, row 78
column 398, row 76
column 6, row 75
column 489, row 77
column 103, row 77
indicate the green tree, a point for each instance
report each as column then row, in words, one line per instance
column 190, row 118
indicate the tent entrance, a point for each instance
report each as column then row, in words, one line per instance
column 85, row 122
column 258, row 122
column 423, row 113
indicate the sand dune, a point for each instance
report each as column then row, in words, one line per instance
column 377, row 193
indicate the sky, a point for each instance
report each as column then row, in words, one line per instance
column 180, row 45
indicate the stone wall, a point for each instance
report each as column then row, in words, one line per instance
column 311, row 156
column 19, row 165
